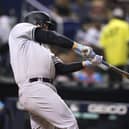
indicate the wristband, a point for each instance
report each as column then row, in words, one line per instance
column 75, row 44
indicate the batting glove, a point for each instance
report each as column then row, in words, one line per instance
column 86, row 63
column 95, row 61
column 84, row 51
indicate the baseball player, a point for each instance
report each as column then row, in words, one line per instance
column 35, row 67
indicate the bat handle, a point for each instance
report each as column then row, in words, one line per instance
column 105, row 63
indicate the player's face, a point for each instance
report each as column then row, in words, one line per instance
column 45, row 26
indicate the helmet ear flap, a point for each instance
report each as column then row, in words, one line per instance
column 52, row 25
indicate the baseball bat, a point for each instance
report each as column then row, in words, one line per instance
column 119, row 71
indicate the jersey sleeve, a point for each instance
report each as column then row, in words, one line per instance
column 24, row 30
column 56, row 59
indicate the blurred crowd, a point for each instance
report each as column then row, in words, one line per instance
column 93, row 17
column 7, row 21
column 83, row 21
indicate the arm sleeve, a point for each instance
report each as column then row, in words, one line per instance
column 52, row 38
column 67, row 68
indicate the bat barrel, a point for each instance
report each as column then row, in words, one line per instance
column 115, row 69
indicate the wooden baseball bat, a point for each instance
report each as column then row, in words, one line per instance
column 119, row 71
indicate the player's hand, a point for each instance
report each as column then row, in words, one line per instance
column 86, row 63
column 84, row 51
column 95, row 61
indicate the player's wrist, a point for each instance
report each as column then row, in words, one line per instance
column 86, row 63
column 75, row 45
column 83, row 63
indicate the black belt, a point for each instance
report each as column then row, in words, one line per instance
column 41, row 79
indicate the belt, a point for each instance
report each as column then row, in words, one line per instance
column 41, row 79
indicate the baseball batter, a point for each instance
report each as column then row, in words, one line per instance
column 35, row 67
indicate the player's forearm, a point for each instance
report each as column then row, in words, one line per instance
column 52, row 38
column 68, row 68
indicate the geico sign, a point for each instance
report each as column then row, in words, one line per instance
column 108, row 109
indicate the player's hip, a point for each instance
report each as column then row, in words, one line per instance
column 29, row 94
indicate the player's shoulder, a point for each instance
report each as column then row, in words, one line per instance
column 21, row 28
column 22, row 25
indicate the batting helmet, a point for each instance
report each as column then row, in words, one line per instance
column 38, row 18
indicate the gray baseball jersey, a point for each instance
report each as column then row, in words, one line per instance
column 29, row 59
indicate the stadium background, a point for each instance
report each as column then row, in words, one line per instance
column 95, row 103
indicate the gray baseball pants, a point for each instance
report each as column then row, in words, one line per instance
column 47, row 109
